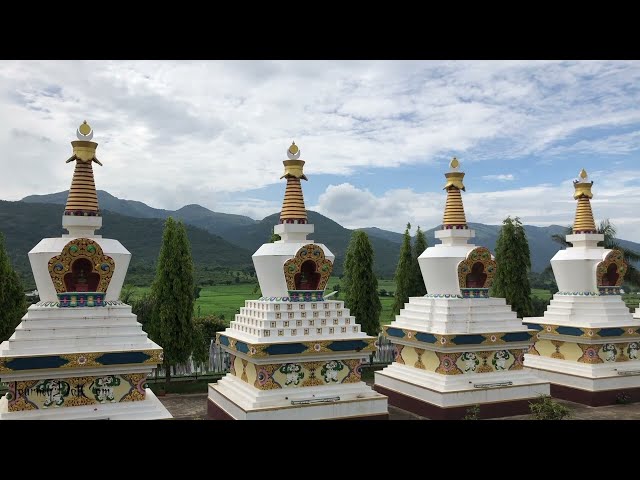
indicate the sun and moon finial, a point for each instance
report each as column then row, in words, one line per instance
column 293, row 152
column 84, row 150
column 454, row 175
column 84, row 132
column 582, row 185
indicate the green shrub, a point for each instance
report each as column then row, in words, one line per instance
column 473, row 413
column 205, row 329
column 545, row 408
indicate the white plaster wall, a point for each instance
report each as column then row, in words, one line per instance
column 439, row 267
column 575, row 268
column 439, row 264
column 269, row 261
column 40, row 255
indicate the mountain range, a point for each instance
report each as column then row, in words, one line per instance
column 195, row 215
column 224, row 241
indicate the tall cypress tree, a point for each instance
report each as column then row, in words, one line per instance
column 360, row 285
column 513, row 258
column 12, row 300
column 172, row 325
column 403, row 274
column 416, row 285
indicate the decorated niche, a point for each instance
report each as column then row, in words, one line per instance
column 610, row 272
column 477, row 270
column 81, row 267
column 308, row 269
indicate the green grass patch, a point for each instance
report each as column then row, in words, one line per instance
column 228, row 299
column 541, row 293
column 225, row 299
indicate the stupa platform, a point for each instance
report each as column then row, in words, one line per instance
column 295, row 360
column 457, row 347
column 453, row 353
column 587, row 341
column 79, row 353
column 148, row 409
column 588, row 347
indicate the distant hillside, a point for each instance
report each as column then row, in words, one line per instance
column 333, row 235
column 25, row 224
column 542, row 247
column 384, row 234
column 195, row 215
column 249, row 234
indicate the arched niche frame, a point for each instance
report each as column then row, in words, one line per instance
column 81, row 267
column 308, row 269
column 610, row 272
column 477, row 270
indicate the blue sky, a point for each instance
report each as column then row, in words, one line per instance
column 377, row 136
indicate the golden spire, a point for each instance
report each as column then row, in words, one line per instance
column 293, row 209
column 454, row 209
column 583, row 222
column 83, row 199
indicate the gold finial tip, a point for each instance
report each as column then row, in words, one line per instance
column 294, row 152
column 85, row 128
column 583, row 174
column 455, row 163
column 84, row 132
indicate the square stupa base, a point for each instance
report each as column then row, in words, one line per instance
column 431, row 396
column 232, row 399
column 595, row 385
column 148, row 409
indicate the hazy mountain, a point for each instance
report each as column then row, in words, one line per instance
column 384, row 234
column 25, row 224
column 249, row 234
column 333, row 235
column 542, row 247
column 195, row 215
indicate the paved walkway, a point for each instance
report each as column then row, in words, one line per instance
column 194, row 407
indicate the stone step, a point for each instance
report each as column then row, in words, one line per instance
column 44, row 333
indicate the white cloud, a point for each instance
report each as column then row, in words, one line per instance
column 503, row 177
column 176, row 132
column 616, row 196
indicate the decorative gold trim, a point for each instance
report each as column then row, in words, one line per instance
column 85, row 360
column 448, row 363
column 614, row 257
column 76, row 391
column 483, row 256
column 82, row 193
column 583, row 222
column 311, row 252
column 60, row 265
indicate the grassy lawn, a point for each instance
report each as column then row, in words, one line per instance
column 226, row 299
column 540, row 293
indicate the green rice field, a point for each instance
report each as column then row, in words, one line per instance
column 227, row 299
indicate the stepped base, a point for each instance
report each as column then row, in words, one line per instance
column 434, row 412
column 595, row 399
column 148, row 409
column 232, row 399
column 442, row 397
column 593, row 385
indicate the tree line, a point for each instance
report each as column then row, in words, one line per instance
column 167, row 312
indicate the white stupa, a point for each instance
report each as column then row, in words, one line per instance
column 457, row 347
column 588, row 343
column 79, row 353
column 294, row 354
